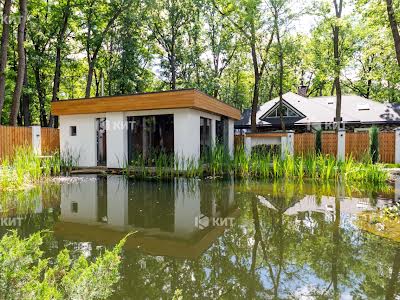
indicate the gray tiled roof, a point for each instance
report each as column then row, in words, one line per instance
column 322, row 110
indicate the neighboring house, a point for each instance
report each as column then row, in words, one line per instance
column 109, row 131
column 309, row 114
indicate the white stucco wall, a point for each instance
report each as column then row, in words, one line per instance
column 117, row 140
column 84, row 194
column 84, row 145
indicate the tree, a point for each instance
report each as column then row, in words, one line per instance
column 4, row 52
column 21, row 63
column 336, row 54
column 167, row 24
column 394, row 27
column 97, row 29
column 66, row 10
column 246, row 16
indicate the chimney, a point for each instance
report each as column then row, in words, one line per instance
column 302, row 90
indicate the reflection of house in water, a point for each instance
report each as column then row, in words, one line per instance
column 162, row 214
column 326, row 205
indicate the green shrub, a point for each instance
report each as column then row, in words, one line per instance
column 374, row 149
column 318, row 141
column 25, row 274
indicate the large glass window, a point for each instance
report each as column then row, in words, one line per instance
column 205, row 137
column 149, row 136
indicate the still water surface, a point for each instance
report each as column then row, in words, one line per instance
column 219, row 239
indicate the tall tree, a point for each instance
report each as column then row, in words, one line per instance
column 168, row 23
column 4, row 52
column 97, row 29
column 66, row 11
column 336, row 54
column 246, row 16
column 394, row 27
column 21, row 63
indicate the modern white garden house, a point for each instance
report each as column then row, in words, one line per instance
column 109, row 131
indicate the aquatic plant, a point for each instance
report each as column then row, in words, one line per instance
column 259, row 164
column 25, row 168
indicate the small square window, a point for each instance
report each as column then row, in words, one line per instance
column 74, row 207
column 72, row 130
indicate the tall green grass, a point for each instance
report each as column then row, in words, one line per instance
column 259, row 165
column 25, row 168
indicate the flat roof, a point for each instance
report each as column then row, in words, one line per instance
column 186, row 98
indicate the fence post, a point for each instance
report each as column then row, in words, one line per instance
column 290, row 142
column 397, row 146
column 341, row 144
column 37, row 140
column 247, row 145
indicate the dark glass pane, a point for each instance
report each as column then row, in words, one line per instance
column 205, row 137
column 149, row 136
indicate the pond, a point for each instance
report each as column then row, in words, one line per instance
column 217, row 239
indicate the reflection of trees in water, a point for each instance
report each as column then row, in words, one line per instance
column 272, row 255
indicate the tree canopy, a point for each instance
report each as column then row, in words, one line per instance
column 244, row 52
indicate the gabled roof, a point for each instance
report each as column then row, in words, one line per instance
column 187, row 98
column 355, row 109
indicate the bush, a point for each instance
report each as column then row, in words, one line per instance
column 374, row 149
column 318, row 141
column 25, row 274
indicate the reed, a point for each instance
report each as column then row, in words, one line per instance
column 258, row 165
column 25, row 169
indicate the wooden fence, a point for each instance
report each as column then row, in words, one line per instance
column 50, row 140
column 387, row 147
column 13, row 137
column 304, row 143
column 357, row 144
column 329, row 143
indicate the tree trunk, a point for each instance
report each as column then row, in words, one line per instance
column 338, row 10
column 92, row 59
column 173, row 66
column 21, row 63
column 26, row 99
column 278, row 37
column 41, row 97
column 337, row 77
column 394, row 28
column 3, row 51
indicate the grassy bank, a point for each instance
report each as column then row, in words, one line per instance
column 259, row 166
column 25, row 169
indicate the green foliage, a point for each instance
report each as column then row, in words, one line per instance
column 258, row 165
column 374, row 148
column 25, row 168
column 25, row 274
column 318, row 141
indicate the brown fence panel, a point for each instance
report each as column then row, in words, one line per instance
column 50, row 140
column 357, row 144
column 386, row 146
column 304, row 143
column 329, row 143
column 13, row 137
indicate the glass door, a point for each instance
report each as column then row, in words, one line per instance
column 101, row 142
